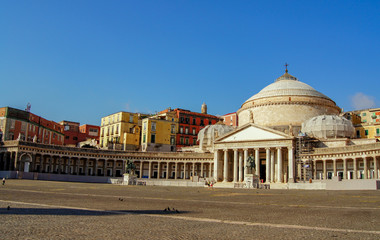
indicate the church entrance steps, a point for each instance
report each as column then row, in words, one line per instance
column 224, row 185
column 172, row 183
column 278, row 186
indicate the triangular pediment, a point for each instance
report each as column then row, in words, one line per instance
column 252, row 132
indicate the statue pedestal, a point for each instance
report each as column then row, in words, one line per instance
column 251, row 181
column 129, row 179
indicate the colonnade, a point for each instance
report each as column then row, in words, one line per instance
column 173, row 169
column 359, row 167
column 273, row 164
column 26, row 162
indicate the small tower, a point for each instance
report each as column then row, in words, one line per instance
column 204, row 108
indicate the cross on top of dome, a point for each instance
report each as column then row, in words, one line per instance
column 286, row 76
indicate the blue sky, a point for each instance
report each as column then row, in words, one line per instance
column 82, row 60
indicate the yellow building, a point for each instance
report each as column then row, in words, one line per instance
column 366, row 122
column 121, row 131
column 159, row 133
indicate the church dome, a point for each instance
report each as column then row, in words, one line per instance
column 287, row 85
column 285, row 102
column 207, row 135
column 328, row 126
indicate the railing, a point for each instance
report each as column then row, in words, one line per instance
column 364, row 147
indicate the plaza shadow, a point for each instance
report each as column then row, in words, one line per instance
column 81, row 212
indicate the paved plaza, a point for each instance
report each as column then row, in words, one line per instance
column 63, row 210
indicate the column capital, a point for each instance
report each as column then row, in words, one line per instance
column 245, row 149
column 225, row 150
column 267, row 148
column 257, row 149
column 278, row 148
column 235, row 150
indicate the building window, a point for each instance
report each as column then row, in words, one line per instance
column 181, row 129
column 377, row 131
column 181, row 119
column 187, row 141
column 194, row 141
column 181, row 140
column 194, row 131
column 75, row 138
column 153, row 138
column 67, row 137
column 12, row 124
column 172, row 140
column 131, row 118
column 186, row 130
column 153, row 126
column 202, row 124
column 172, row 128
column 144, row 127
column 194, row 121
column 144, row 138
column 366, row 132
column 209, row 122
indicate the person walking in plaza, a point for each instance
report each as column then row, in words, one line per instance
column 3, row 181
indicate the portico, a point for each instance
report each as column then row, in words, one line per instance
column 271, row 149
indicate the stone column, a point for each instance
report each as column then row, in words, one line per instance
column 167, row 170
column 114, row 168
column 267, row 167
column 235, row 165
column 96, row 167
column 210, row 170
column 324, row 169
column 123, row 170
column 216, row 159
column 291, row 164
column 375, row 168
column 202, row 169
column 245, row 161
column 51, row 159
column 176, row 170
column 150, row 170
column 158, row 170
column 272, row 166
column 334, row 166
column 355, row 168
column 225, row 171
column 257, row 161
column 344, row 168
column 141, row 169
column 279, row 165
column 105, row 168
column 315, row 169
column 86, row 166
column 69, row 165
column 365, row 168
column 193, row 172
column 184, row 170
column 241, row 167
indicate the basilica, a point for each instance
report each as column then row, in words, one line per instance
column 289, row 136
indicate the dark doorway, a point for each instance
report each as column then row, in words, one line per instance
column 262, row 169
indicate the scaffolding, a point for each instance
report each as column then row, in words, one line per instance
column 304, row 164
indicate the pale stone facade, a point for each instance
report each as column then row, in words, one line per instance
column 284, row 102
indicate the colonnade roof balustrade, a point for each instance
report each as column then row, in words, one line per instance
column 45, row 149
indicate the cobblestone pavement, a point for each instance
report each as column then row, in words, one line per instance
column 62, row 210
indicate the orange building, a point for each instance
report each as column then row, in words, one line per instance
column 230, row 119
column 189, row 125
column 16, row 124
column 75, row 134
